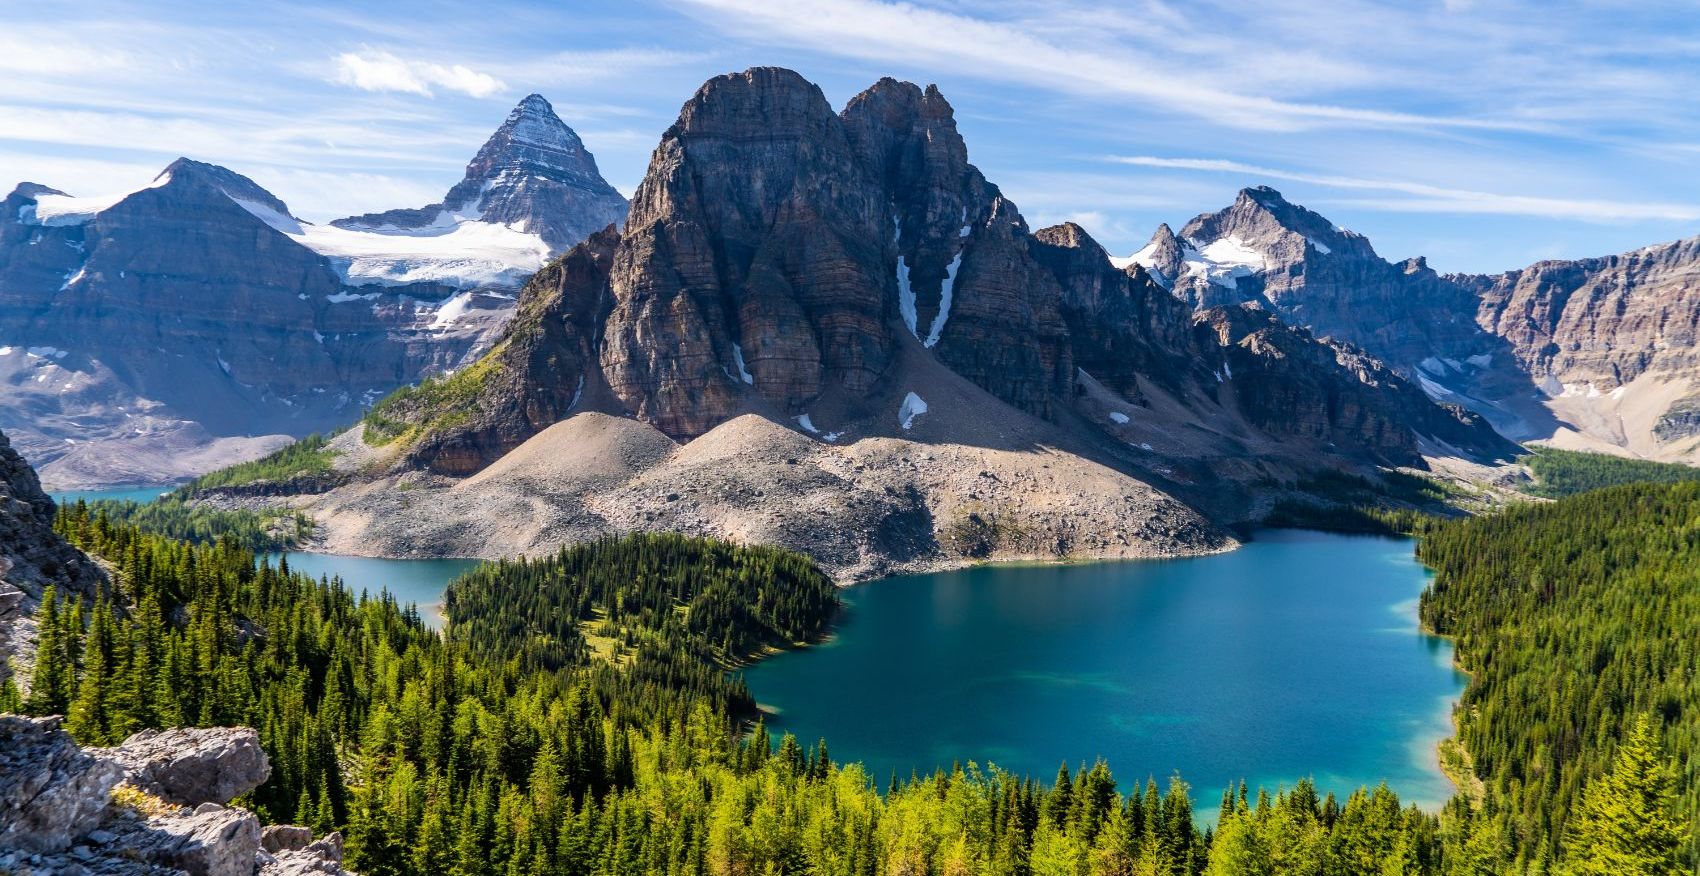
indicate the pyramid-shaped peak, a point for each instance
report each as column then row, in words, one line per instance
column 187, row 171
column 533, row 122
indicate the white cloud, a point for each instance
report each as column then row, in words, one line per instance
column 1428, row 198
column 375, row 70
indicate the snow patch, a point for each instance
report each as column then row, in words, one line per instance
column 1481, row 360
column 1434, row 390
column 913, row 406
column 906, row 297
column 1318, row 245
column 577, row 391
column 1433, row 366
column 452, row 310
column 67, row 210
column 944, row 300
column 1618, row 393
column 457, row 249
column 1224, row 261
column 44, row 352
column 345, row 297
column 807, row 424
column 73, row 278
column 743, row 373
column 1119, row 417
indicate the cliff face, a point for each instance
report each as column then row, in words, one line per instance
column 1604, row 321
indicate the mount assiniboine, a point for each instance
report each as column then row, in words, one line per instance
column 827, row 330
column 163, row 332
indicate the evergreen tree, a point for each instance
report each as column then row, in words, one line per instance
column 1626, row 826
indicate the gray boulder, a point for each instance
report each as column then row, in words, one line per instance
column 210, row 841
column 190, row 766
column 51, row 791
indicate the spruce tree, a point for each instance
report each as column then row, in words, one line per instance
column 1626, row 826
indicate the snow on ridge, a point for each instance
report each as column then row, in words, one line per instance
column 944, row 300
column 455, row 250
column 913, row 406
column 68, row 210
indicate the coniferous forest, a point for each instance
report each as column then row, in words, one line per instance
column 579, row 717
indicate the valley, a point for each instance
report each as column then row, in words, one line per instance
column 771, row 494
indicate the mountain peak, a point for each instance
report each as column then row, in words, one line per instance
column 187, row 171
column 533, row 174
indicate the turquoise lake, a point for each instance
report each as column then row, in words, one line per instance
column 131, row 494
column 1297, row 655
column 420, row 582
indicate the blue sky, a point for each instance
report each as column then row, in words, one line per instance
column 1482, row 134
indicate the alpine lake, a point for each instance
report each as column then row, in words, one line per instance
column 1298, row 655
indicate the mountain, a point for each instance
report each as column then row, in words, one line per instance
column 1595, row 353
column 533, row 175
column 829, row 330
column 160, row 333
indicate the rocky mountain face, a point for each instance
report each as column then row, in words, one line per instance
column 165, row 332
column 1594, row 353
column 58, row 814
column 849, row 276
column 32, row 557
column 533, row 174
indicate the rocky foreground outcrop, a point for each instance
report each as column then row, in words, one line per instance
column 32, row 557
column 59, row 813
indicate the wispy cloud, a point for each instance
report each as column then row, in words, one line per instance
column 377, row 70
column 1428, row 198
column 1003, row 50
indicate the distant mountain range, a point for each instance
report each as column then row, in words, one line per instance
column 1596, row 354
column 163, row 332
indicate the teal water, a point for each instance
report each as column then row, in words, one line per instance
column 132, row 494
column 1298, row 655
column 420, row 582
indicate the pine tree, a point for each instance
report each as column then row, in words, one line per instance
column 1626, row 826
column 50, row 683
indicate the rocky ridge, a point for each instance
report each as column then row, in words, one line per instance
column 59, row 814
